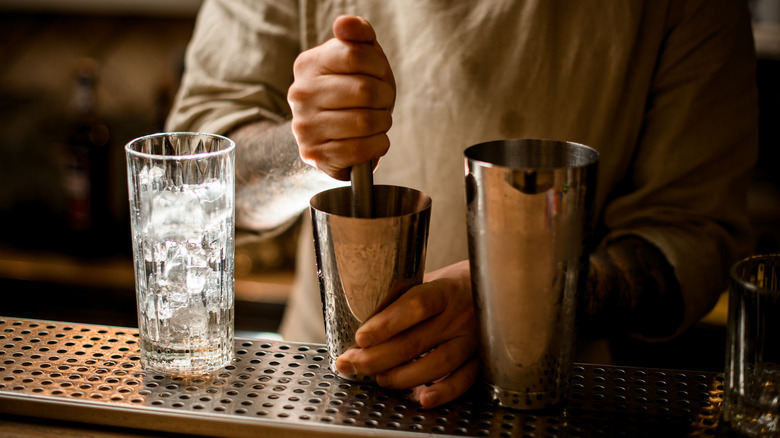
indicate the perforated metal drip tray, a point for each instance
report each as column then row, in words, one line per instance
column 92, row 374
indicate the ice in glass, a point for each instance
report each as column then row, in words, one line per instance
column 182, row 204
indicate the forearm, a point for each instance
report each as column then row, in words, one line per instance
column 631, row 288
column 273, row 185
column 261, row 147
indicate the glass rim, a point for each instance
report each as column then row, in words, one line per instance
column 747, row 284
column 471, row 152
column 129, row 146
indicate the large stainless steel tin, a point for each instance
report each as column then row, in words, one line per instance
column 529, row 204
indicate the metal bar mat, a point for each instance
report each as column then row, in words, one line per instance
column 92, row 374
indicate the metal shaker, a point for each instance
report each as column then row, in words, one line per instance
column 364, row 264
column 529, row 208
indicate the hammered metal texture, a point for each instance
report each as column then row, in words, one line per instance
column 45, row 366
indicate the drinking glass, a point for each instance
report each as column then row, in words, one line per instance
column 751, row 401
column 182, row 208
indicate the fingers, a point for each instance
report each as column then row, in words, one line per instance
column 452, row 374
column 434, row 365
column 448, row 388
column 334, row 126
column 385, row 356
column 342, row 57
column 336, row 156
column 417, row 304
column 342, row 98
column 354, row 29
column 335, row 92
column 429, row 334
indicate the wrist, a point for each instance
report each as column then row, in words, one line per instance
column 631, row 289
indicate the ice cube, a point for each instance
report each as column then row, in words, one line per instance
column 213, row 296
column 170, row 298
column 190, row 321
column 176, row 216
column 151, row 179
column 214, row 237
column 213, row 195
column 211, row 190
column 197, row 272
column 175, row 270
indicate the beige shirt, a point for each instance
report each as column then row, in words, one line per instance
column 663, row 89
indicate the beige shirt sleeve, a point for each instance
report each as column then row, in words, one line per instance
column 687, row 189
column 238, row 65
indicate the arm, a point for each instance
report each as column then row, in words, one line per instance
column 685, row 192
column 273, row 185
column 631, row 288
column 238, row 68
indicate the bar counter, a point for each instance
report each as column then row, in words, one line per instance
column 91, row 375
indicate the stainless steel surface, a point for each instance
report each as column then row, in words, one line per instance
column 92, row 374
column 362, row 180
column 366, row 263
column 752, row 395
column 529, row 204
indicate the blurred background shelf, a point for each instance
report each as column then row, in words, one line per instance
column 137, row 48
column 58, row 286
column 170, row 8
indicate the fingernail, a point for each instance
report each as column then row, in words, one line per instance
column 429, row 399
column 344, row 366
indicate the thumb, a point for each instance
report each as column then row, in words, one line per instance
column 354, row 29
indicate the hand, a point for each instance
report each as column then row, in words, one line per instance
column 342, row 99
column 428, row 335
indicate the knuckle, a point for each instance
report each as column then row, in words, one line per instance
column 383, row 144
column 463, row 315
column 303, row 61
column 366, row 93
column 386, row 120
column 364, row 123
column 363, row 90
column 299, row 95
column 410, row 349
column 381, row 324
column 301, row 129
column 417, row 307
column 297, row 125
column 309, row 153
column 387, row 89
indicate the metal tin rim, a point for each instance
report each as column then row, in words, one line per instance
column 471, row 151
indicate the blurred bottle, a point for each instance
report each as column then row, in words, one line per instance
column 86, row 166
